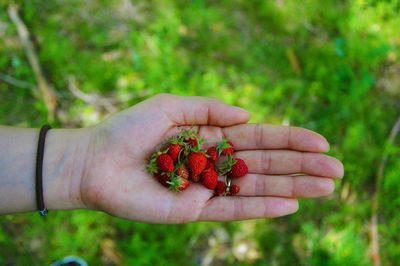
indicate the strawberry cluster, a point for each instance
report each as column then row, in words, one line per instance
column 182, row 160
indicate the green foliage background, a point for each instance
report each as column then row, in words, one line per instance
column 330, row 66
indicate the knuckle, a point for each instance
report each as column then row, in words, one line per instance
column 292, row 187
column 266, row 161
column 238, row 211
column 289, row 137
column 259, row 135
column 260, row 187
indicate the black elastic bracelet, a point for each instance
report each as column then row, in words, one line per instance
column 39, row 170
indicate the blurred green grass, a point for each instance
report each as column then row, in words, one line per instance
column 330, row 66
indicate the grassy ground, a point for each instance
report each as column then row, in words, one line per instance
column 330, row 66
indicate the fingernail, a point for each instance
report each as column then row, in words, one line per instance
column 325, row 146
column 246, row 114
column 283, row 206
column 339, row 169
column 292, row 207
column 241, row 109
column 327, row 186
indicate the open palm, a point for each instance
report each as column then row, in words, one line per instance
column 116, row 180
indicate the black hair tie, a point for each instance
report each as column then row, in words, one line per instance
column 39, row 170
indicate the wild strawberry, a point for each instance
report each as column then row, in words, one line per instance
column 225, row 147
column 209, row 178
column 220, row 189
column 210, row 164
column 174, row 150
column 163, row 179
column 212, row 154
column 191, row 137
column 195, row 178
column 178, row 183
column 192, row 142
column 234, row 190
column 184, row 184
column 233, row 167
column 197, row 162
column 228, row 151
column 165, row 163
column 182, row 171
column 239, row 169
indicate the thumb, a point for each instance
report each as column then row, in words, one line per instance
column 182, row 110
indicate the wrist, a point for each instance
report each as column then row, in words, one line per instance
column 64, row 166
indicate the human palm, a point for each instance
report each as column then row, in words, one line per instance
column 116, row 181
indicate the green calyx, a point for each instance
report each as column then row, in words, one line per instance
column 152, row 167
column 196, row 149
column 222, row 145
column 174, row 183
column 226, row 166
column 188, row 134
column 176, row 140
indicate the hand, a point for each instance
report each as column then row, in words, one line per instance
column 116, row 180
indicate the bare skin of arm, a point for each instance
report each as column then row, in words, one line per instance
column 103, row 167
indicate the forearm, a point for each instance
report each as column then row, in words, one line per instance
column 63, row 167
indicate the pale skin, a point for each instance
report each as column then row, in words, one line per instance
column 104, row 167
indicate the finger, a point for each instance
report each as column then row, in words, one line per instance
column 285, row 186
column 201, row 111
column 280, row 162
column 243, row 208
column 262, row 136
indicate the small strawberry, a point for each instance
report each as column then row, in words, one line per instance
column 152, row 167
column 197, row 161
column 191, row 137
column 173, row 150
column 184, row 184
column 212, row 154
column 234, row 190
column 209, row 178
column 182, row 171
column 220, row 189
column 233, row 167
column 210, row 164
column 165, row 163
column 192, row 142
column 225, row 147
column 163, row 179
column 195, row 178
column 178, row 183
column 239, row 169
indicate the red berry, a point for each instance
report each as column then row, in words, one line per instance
column 190, row 136
column 173, row 151
column 165, row 163
column 178, row 183
column 225, row 147
column 184, row 184
column 220, row 189
column 239, row 169
column 234, row 189
column 163, row 179
column 197, row 162
column 195, row 178
column 192, row 142
column 212, row 154
column 182, row 171
column 210, row 164
column 209, row 178
column 229, row 150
